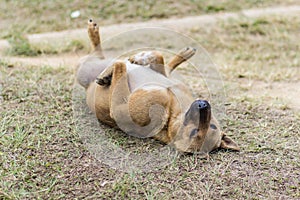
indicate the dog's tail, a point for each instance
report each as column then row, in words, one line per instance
column 180, row 57
column 94, row 35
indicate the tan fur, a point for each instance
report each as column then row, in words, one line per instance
column 147, row 101
column 93, row 32
column 182, row 56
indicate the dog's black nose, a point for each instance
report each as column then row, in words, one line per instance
column 202, row 104
column 198, row 113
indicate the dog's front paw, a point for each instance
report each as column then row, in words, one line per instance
column 137, row 59
column 104, row 81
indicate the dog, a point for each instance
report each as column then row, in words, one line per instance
column 141, row 97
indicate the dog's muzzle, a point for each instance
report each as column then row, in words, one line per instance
column 199, row 114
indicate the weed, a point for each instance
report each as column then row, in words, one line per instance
column 21, row 46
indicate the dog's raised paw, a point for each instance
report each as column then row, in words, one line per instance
column 105, row 81
column 187, row 52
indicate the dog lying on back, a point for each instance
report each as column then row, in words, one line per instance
column 141, row 97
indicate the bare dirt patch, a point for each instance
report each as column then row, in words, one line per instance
column 284, row 94
column 63, row 60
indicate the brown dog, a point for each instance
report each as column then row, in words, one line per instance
column 141, row 97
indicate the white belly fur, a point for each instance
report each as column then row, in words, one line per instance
column 141, row 77
column 144, row 77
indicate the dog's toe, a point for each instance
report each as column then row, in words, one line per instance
column 105, row 81
column 100, row 81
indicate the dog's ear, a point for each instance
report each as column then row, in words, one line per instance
column 228, row 143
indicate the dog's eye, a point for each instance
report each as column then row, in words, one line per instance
column 212, row 126
column 194, row 132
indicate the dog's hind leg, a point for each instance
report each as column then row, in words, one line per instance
column 120, row 99
column 94, row 35
column 92, row 65
column 119, row 89
column 180, row 57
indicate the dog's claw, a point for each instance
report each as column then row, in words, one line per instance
column 99, row 81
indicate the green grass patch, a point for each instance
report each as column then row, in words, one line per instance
column 19, row 45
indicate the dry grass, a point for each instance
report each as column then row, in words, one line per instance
column 48, row 16
column 43, row 156
column 264, row 48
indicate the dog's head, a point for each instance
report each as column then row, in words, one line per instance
column 200, row 132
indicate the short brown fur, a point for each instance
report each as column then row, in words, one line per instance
column 122, row 97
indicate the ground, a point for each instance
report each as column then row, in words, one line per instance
column 44, row 154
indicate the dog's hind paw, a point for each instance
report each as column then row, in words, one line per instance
column 187, row 53
column 104, row 81
column 93, row 31
column 93, row 27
